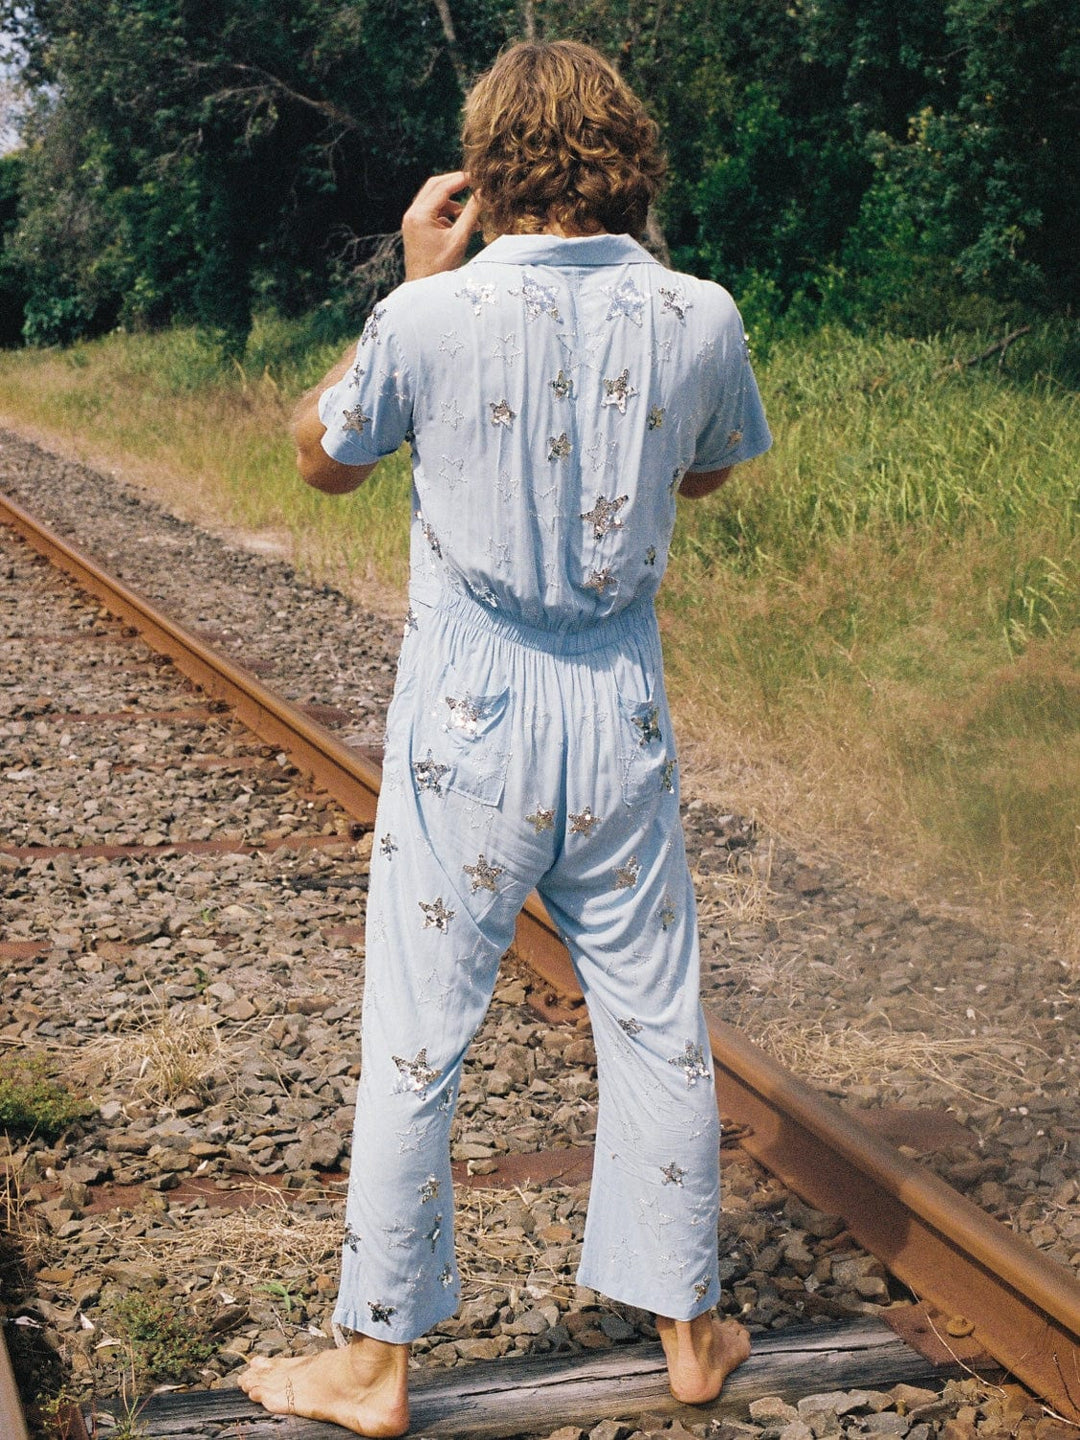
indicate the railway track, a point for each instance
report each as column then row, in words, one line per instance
column 1022, row 1308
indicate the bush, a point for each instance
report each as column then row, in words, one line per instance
column 32, row 1102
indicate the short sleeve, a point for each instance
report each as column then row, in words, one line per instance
column 733, row 421
column 368, row 413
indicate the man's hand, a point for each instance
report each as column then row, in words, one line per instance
column 436, row 228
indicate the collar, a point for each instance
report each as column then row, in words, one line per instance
column 565, row 251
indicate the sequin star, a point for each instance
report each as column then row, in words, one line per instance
column 418, row 1073
column 734, row 436
column 371, row 328
column 539, row 299
column 436, row 915
column 626, row 300
column 501, row 414
column 446, row 1277
column 433, row 1234
column 429, row 773
column 602, row 517
column 692, row 1063
column 559, row 447
column 452, row 413
column 451, row 470
column 355, row 419
column 619, row 390
column 429, row 535
column 744, row 345
column 380, row 1313
column 411, row 623
column 675, row 301
column 673, row 1174
column 599, row 580
column 676, row 476
column 648, row 724
column 562, row 385
column 541, row 819
column 656, row 417
column 387, row 846
column 352, row 1239
column 477, row 295
column 626, row 876
column 667, row 776
column 465, row 714
column 667, row 914
column 582, row 823
column 632, row 1027
column 650, row 555
column 701, row 1289
column 483, row 875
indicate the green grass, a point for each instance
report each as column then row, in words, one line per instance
column 881, row 618
column 33, row 1102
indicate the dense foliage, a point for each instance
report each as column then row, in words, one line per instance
column 840, row 159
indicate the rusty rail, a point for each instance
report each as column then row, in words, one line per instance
column 1024, row 1307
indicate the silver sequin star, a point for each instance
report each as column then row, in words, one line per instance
column 380, row 1313
column 648, row 724
column 626, row 876
column 619, row 390
column 667, row 914
column 734, row 436
column 650, row 555
column 676, row 476
column 483, row 875
column 599, row 580
column 675, row 301
column 352, row 1238
column 541, row 819
column 673, row 1174
column 436, row 915
column 692, row 1063
column 452, row 413
column 387, row 846
column 433, row 1234
column 701, row 1289
column 429, row 535
column 562, row 385
column 603, row 516
column 559, row 447
column 371, row 329
column 539, row 299
column 355, row 419
column 582, row 823
column 429, row 1190
column 627, row 300
column 446, row 1277
column 667, row 776
column 656, row 417
column 418, row 1073
column 411, row 623
column 501, row 414
column 429, row 773
column 631, row 1026
column 477, row 295
column 465, row 714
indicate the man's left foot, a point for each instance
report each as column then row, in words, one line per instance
column 363, row 1386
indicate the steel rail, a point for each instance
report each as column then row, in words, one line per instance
column 1025, row 1308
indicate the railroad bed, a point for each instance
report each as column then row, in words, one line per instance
column 236, row 906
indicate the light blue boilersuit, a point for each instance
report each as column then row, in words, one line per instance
column 554, row 392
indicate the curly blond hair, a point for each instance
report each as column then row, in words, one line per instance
column 553, row 135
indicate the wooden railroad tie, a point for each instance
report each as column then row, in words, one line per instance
column 489, row 1400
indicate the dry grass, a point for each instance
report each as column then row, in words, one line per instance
column 171, row 1054
column 20, row 1223
column 835, row 1059
column 739, row 895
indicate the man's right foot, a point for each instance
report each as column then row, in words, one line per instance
column 701, row 1354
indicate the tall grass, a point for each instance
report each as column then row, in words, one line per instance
column 873, row 632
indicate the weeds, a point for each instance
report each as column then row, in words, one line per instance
column 32, row 1101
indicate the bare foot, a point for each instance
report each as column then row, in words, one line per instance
column 363, row 1386
column 701, row 1354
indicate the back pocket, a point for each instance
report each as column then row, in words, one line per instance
column 467, row 732
column 644, row 757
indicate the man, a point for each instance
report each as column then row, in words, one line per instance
column 557, row 391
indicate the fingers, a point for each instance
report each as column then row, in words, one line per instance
column 468, row 221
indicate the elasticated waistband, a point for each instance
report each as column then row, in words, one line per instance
column 593, row 635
